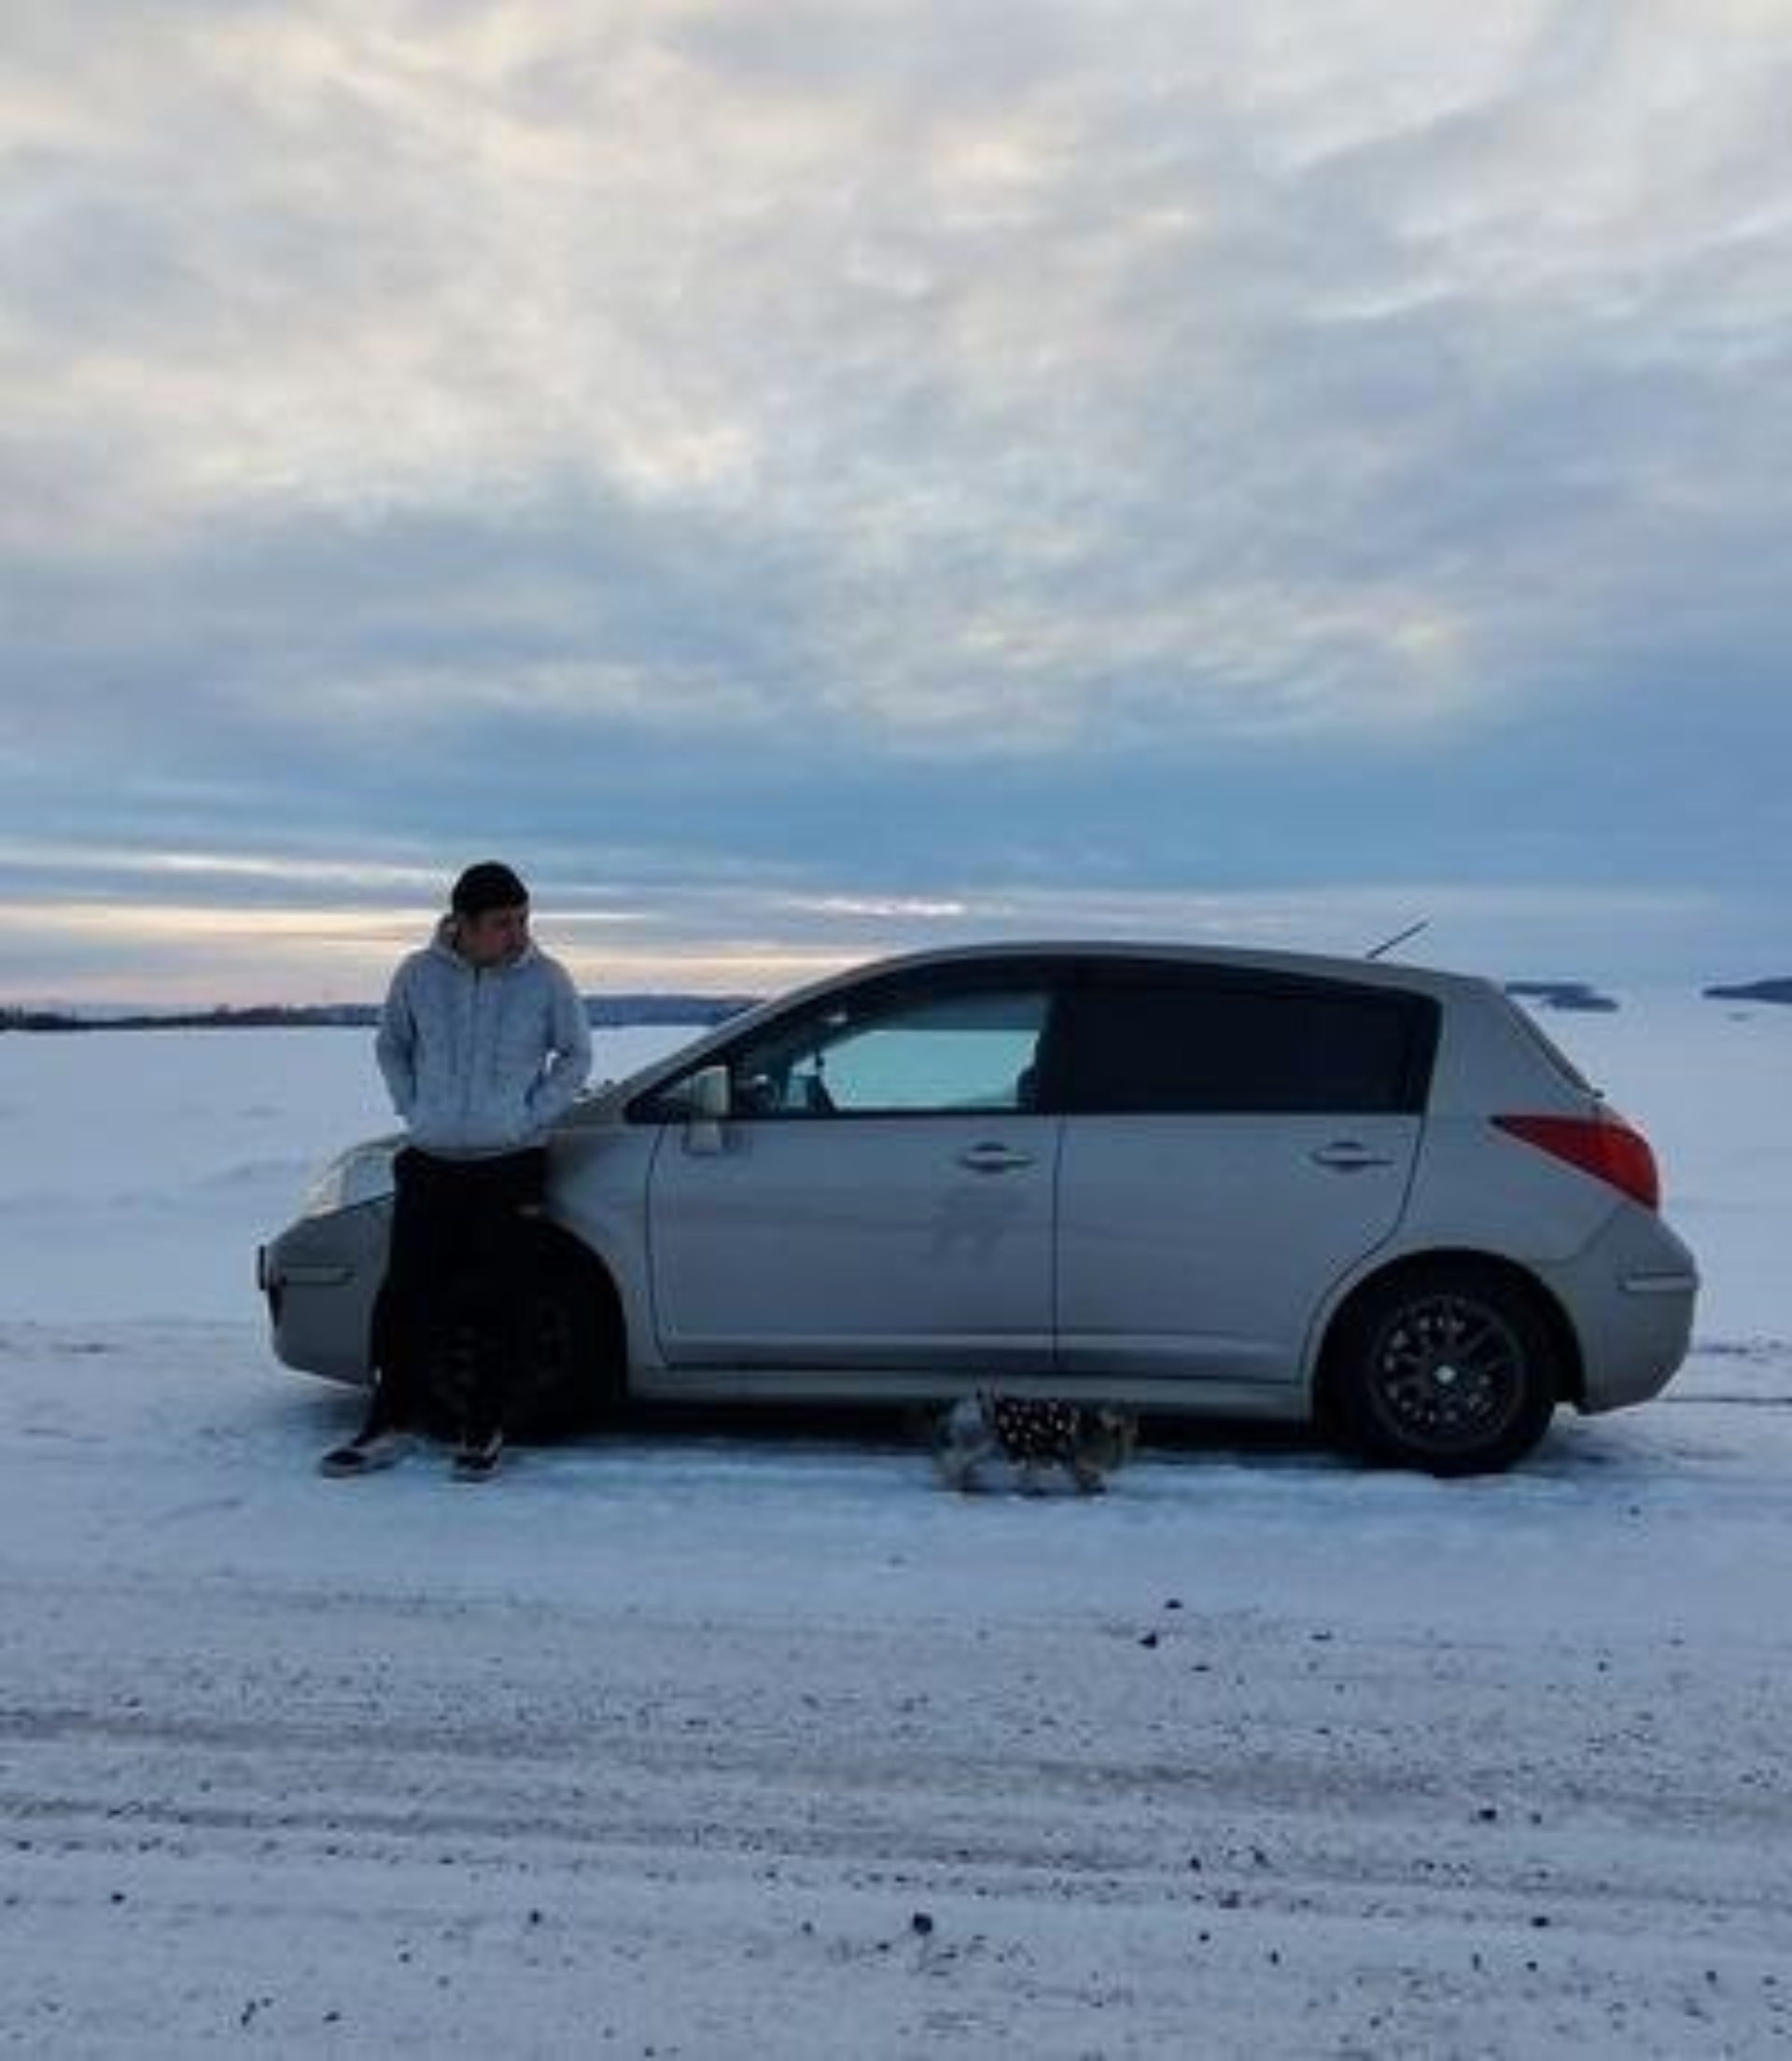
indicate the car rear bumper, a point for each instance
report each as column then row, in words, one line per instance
column 1632, row 1295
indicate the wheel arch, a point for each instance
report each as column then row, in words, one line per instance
column 568, row 1259
column 1512, row 1274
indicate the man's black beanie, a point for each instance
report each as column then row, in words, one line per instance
column 487, row 886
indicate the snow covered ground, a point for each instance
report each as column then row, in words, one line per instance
column 719, row 1741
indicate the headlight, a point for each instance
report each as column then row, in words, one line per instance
column 362, row 1175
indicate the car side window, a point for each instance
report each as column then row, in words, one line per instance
column 1224, row 1048
column 900, row 1056
column 904, row 1051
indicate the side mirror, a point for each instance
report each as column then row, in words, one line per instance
column 711, row 1094
column 710, row 1100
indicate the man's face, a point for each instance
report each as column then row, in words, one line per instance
column 494, row 935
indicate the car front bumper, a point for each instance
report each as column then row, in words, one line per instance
column 321, row 1279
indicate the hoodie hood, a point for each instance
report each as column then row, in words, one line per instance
column 443, row 945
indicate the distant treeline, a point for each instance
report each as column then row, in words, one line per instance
column 626, row 1012
column 1753, row 991
column 1562, row 994
column 606, row 1011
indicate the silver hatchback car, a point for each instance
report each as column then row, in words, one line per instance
column 1181, row 1181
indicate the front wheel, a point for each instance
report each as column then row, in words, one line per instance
column 572, row 1373
column 1450, row 1370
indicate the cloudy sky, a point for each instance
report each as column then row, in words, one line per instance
column 806, row 478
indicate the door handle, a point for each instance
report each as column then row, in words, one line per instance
column 1348, row 1156
column 993, row 1158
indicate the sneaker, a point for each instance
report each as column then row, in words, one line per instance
column 368, row 1452
column 478, row 1455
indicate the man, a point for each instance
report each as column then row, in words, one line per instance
column 483, row 1044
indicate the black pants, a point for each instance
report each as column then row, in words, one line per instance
column 462, row 1247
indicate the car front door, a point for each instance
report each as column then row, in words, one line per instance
column 1233, row 1144
column 880, row 1195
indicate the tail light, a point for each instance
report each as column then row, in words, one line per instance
column 1604, row 1147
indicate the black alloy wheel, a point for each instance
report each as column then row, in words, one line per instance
column 1449, row 1369
column 572, row 1374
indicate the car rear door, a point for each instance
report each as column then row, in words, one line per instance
column 1233, row 1142
column 883, row 1193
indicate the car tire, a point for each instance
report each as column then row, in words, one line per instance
column 575, row 1371
column 1451, row 1369
column 575, row 1376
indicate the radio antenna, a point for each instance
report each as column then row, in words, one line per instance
column 1399, row 937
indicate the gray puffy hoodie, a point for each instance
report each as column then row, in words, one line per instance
column 482, row 1060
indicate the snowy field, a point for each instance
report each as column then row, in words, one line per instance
column 712, row 1742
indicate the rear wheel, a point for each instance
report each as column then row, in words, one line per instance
column 1448, row 1369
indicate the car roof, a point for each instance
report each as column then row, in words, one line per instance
column 1238, row 957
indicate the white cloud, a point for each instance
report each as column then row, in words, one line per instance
column 711, row 939
column 375, row 256
column 805, row 389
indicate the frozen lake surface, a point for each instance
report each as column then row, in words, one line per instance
column 719, row 1742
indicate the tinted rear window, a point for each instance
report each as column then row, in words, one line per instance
column 1236, row 1049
